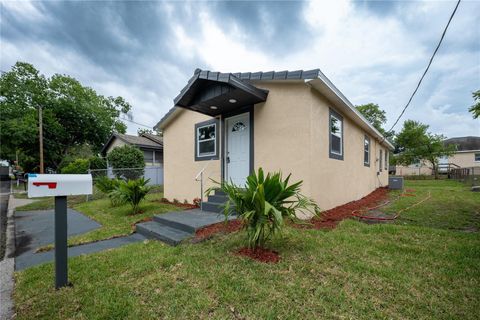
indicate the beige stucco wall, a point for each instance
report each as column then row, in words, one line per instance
column 291, row 134
column 179, row 166
column 295, row 118
column 464, row 159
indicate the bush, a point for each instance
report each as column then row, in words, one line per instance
column 97, row 163
column 127, row 157
column 105, row 184
column 131, row 192
column 264, row 204
column 78, row 166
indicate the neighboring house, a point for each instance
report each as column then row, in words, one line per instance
column 416, row 169
column 152, row 148
column 467, row 155
column 298, row 122
column 467, row 152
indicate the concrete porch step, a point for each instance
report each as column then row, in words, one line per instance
column 189, row 220
column 213, row 206
column 174, row 227
column 162, row 232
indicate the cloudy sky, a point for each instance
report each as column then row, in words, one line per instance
column 146, row 51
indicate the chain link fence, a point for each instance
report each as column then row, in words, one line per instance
column 470, row 176
column 154, row 173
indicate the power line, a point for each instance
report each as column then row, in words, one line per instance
column 140, row 124
column 428, row 66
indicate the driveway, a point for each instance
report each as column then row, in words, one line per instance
column 34, row 229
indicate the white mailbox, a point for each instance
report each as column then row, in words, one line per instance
column 48, row 185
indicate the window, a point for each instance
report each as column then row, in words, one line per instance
column 148, row 156
column 477, row 157
column 206, row 140
column 336, row 135
column 366, row 151
column 386, row 160
column 158, row 156
column 380, row 160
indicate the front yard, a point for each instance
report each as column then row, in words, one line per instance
column 116, row 221
column 423, row 266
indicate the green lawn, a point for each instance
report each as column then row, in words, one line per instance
column 424, row 269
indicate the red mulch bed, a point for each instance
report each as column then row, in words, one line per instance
column 329, row 219
column 208, row 231
column 179, row 204
column 260, row 254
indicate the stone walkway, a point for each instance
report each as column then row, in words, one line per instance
column 24, row 262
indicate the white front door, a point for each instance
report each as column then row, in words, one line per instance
column 238, row 148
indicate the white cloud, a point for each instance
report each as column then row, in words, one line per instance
column 370, row 57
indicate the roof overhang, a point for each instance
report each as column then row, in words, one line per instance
column 214, row 93
column 323, row 85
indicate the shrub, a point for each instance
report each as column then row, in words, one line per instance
column 264, row 204
column 127, row 157
column 105, row 184
column 131, row 192
column 97, row 163
column 78, row 166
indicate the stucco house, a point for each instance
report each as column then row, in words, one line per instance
column 228, row 124
column 467, row 155
column 467, row 152
column 151, row 146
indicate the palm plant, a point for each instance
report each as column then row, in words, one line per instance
column 264, row 204
column 131, row 192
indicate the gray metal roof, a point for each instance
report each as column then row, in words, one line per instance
column 313, row 77
column 244, row 76
column 465, row 143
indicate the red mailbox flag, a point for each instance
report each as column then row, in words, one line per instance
column 50, row 185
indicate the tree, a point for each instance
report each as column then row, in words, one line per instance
column 416, row 144
column 149, row 131
column 127, row 157
column 78, row 166
column 475, row 109
column 377, row 117
column 73, row 115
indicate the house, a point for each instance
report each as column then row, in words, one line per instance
column 152, row 147
column 467, row 152
column 225, row 125
column 467, row 155
column 419, row 168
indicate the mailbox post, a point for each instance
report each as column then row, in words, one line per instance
column 60, row 186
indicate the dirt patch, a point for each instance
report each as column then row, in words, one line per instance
column 221, row 227
column 329, row 219
column 260, row 254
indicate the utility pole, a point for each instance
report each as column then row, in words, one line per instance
column 40, row 137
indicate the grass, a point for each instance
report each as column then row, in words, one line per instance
column 453, row 207
column 421, row 270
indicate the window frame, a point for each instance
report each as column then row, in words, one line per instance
column 475, row 156
column 380, row 164
column 385, row 165
column 332, row 154
column 215, row 154
column 366, row 139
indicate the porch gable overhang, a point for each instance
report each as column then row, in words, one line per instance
column 215, row 93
